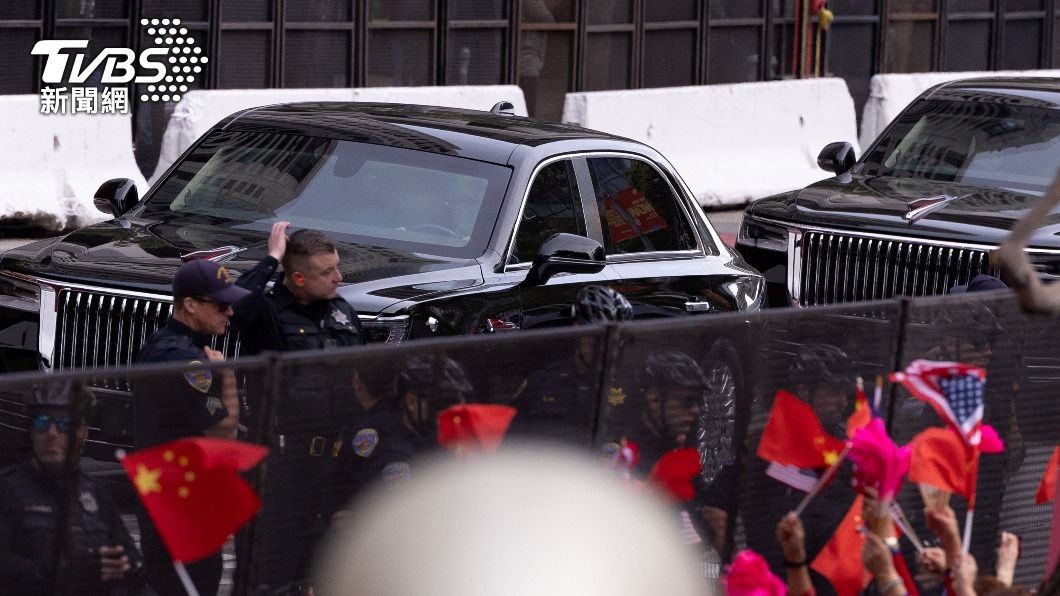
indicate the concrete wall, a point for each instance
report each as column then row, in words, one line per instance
column 52, row 164
column 730, row 143
column 889, row 94
column 199, row 110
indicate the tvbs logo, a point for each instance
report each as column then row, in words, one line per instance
column 100, row 80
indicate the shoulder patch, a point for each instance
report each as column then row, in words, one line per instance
column 365, row 442
column 200, row 379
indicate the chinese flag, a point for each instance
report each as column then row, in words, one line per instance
column 1047, row 488
column 474, row 427
column 943, row 460
column 674, row 472
column 193, row 493
column 840, row 559
column 794, row 436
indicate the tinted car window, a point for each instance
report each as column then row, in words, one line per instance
column 1008, row 146
column 384, row 196
column 550, row 209
column 638, row 211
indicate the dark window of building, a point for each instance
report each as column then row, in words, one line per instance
column 476, row 52
column 17, row 71
column 307, row 11
column 316, row 58
column 608, row 61
column 967, row 45
column 551, row 208
column 850, row 49
column 243, row 61
column 244, row 11
column 638, row 210
column 669, row 58
column 1023, row 44
column 545, row 62
column 733, row 54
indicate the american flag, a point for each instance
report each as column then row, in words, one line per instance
column 954, row 389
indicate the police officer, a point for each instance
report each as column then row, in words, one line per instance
column 304, row 312
column 198, row 403
column 100, row 556
column 559, row 400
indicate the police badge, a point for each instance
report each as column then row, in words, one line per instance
column 88, row 502
column 365, row 441
column 200, row 379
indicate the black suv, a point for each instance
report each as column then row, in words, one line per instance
column 448, row 221
column 922, row 209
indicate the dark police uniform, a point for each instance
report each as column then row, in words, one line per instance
column 167, row 410
column 558, row 403
column 271, row 319
column 30, row 513
column 308, row 418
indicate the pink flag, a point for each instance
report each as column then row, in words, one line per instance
column 878, row 462
column 749, row 575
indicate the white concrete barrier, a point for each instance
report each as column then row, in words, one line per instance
column 197, row 111
column 889, row 94
column 52, row 164
column 730, row 143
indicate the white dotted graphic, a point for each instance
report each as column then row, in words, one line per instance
column 182, row 49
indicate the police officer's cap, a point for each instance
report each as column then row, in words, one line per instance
column 427, row 375
column 206, row 278
column 59, row 394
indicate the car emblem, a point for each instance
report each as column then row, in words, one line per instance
column 921, row 207
column 217, row 255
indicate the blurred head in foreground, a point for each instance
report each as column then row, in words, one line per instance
column 523, row 521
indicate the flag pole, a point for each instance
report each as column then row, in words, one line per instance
column 822, row 481
column 968, row 530
column 907, row 528
column 185, row 579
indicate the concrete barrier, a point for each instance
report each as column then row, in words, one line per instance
column 730, row 143
column 197, row 111
column 52, row 164
column 889, row 94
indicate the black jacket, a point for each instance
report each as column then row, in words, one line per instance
column 271, row 319
column 30, row 514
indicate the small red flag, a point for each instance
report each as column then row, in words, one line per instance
column 840, row 561
column 943, row 460
column 674, row 472
column 1047, row 488
column 794, row 436
column 474, row 427
column 191, row 490
column 862, row 414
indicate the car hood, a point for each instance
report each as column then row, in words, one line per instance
column 954, row 212
column 142, row 256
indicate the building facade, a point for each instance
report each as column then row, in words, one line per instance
column 548, row 47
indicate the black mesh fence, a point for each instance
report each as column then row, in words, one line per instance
column 339, row 423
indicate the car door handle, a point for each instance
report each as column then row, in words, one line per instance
column 697, row 307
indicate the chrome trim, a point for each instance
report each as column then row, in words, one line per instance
column 911, row 239
column 46, row 327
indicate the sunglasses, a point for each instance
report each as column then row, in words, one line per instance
column 43, row 422
column 221, row 306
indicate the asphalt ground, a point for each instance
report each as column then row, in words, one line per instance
column 727, row 223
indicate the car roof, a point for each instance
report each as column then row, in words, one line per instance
column 1030, row 91
column 466, row 133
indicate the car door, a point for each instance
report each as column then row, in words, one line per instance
column 553, row 205
column 649, row 239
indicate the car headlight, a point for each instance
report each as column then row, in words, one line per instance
column 19, row 293
column 762, row 235
column 386, row 329
column 748, row 292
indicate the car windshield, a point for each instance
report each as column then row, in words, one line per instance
column 384, row 196
column 1007, row 146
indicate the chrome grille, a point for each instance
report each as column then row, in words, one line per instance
column 837, row 268
column 101, row 330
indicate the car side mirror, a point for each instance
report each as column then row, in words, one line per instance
column 836, row 157
column 116, row 196
column 565, row 253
